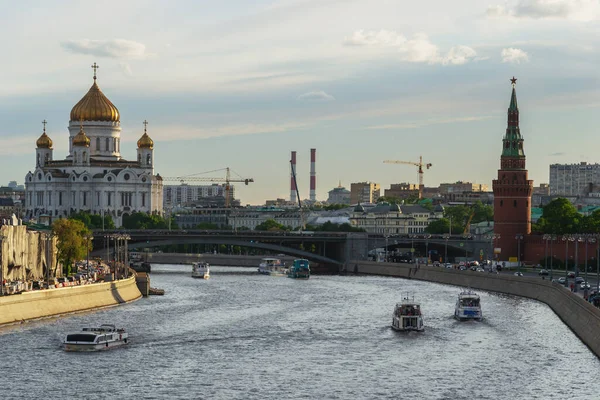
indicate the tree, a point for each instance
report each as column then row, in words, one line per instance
column 590, row 223
column 206, row 225
column 140, row 220
column 438, row 226
column 94, row 221
column 72, row 243
column 270, row 225
column 558, row 217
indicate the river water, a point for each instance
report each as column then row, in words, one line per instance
column 241, row 335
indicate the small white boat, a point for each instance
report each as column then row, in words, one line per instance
column 272, row 266
column 407, row 316
column 95, row 338
column 468, row 306
column 201, row 270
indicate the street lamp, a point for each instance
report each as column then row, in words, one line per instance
column 446, row 237
column 519, row 237
column 466, row 237
column 2, row 237
column 567, row 239
column 385, row 259
column 427, row 236
column 592, row 240
column 546, row 238
column 552, row 239
column 88, row 238
column 412, row 247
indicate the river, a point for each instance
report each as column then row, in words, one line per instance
column 241, row 335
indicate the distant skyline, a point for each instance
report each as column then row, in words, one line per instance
column 242, row 84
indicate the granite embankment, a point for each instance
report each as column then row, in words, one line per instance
column 582, row 317
column 47, row 303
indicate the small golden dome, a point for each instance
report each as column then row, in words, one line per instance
column 95, row 106
column 44, row 141
column 145, row 142
column 81, row 138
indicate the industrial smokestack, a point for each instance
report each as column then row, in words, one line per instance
column 313, row 175
column 293, row 189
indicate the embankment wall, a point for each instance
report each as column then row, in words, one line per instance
column 579, row 315
column 47, row 303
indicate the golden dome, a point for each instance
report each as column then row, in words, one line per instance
column 145, row 142
column 44, row 141
column 95, row 106
column 81, row 139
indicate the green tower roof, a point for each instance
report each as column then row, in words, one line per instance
column 512, row 143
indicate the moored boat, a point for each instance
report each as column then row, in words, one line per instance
column 468, row 306
column 300, row 269
column 104, row 337
column 201, row 270
column 407, row 316
column 272, row 266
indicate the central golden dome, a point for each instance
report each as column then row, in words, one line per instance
column 81, row 139
column 95, row 106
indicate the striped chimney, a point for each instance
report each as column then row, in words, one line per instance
column 313, row 175
column 293, row 189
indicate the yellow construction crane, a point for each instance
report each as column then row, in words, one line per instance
column 227, row 180
column 419, row 165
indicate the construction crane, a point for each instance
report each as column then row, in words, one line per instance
column 419, row 165
column 227, row 180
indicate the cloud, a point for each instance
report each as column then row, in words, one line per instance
column 420, row 124
column 171, row 133
column 126, row 68
column 577, row 10
column 514, row 56
column 373, row 38
column 316, row 96
column 418, row 49
column 116, row 48
column 560, row 153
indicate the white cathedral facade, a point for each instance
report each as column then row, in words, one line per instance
column 93, row 177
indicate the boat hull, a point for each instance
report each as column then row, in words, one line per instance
column 94, row 346
column 201, row 276
column 468, row 314
column 414, row 324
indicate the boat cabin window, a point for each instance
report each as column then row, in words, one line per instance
column 469, row 302
column 410, row 322
column 81, row 337
column 410, row 310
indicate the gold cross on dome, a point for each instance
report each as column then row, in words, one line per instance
column 513, row 81
column 145, row 125
column 95, row 68
column 44, row 122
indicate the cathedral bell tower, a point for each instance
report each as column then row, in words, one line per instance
column 44, row 148
column 512, row 189
column 145, row 149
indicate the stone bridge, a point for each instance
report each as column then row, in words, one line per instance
column 330, row 248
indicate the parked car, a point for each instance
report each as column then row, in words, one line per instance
column 585, row 285
column 518, row 273
column 449, row 266
column 480, row 270
column 543, row 272
column 571, row 274
column 579, row 280
column 561, row 280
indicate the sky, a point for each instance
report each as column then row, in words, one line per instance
column 240, row 84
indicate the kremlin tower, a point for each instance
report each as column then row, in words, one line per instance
column 512, row 189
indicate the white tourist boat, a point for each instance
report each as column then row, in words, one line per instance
column 104, row 337
column 407, row 316
column 272, row 266
column 201, row 270
column 468, row 306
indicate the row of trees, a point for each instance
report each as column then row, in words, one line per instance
column 459, row 216
column 561, row 217
column 272, row 225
